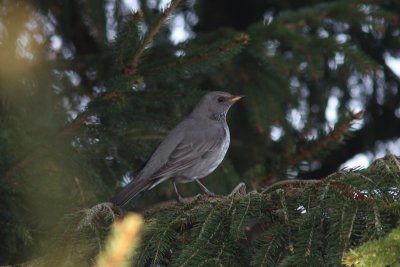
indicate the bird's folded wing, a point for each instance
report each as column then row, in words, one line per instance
column 185, row 155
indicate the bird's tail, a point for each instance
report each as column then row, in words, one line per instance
column 129, row 192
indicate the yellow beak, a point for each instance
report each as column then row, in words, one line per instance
column 235, row 98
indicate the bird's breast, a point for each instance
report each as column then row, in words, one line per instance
column 215, row 157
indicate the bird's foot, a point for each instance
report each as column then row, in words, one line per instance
column 179, row 199
column 205, row 190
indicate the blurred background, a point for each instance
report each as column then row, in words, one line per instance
column 76, row 119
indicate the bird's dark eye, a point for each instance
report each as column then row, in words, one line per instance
column 220, row 99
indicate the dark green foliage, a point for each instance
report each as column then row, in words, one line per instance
column 298, row 222
column 196, row 58
column 79, row 113
column 310, row 224
column 128, row 36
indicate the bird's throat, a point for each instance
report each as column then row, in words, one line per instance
column 218, row 116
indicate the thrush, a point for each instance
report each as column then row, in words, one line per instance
column 190, row 151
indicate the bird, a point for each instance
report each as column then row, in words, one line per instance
column 189, row 152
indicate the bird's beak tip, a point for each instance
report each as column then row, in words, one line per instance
column 235, row 98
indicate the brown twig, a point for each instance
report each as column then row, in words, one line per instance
column 130, row 69
column 295, row 185
column 290, row 183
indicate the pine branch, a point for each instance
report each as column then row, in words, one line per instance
column 274, row 230
column 130, row 69
column 295, row 184
column 291, row 184
column 197, row 58
column 66, row 131
column 333, row 137
column 35, row 152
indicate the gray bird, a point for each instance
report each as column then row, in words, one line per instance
column 191, row 151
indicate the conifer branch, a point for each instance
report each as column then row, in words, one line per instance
column 75, row 124
column 35, row 152
column 286, row 218
column 66, row 131
column 131, row 67
column 296, row 184
column 239, row 41
column 291, row 183
column 306, row 153
column 347, row 238
column 205, row 230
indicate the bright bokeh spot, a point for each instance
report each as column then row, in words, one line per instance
column 132, row 4
column 393, row 63
column 358, row 161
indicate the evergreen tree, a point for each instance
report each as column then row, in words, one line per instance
column 89, row 88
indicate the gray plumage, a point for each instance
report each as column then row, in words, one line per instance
column 190, row 151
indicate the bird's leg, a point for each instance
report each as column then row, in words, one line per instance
column 179, row 198
column 205, row 189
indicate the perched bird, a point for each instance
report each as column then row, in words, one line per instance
column 191, row 151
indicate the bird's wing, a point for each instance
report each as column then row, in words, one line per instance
column 143, row 179
column 186, row 154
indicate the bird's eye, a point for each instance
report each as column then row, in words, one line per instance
column 220, row 99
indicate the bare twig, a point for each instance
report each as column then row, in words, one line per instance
column 291, row 183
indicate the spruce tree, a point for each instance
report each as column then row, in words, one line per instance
column 89, row 88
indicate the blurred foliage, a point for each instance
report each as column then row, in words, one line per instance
column 382, row 252
column 122, row 242
column 89, row 88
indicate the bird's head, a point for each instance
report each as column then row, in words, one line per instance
column 215, row 105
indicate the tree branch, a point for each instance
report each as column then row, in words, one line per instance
column 319, row 145
column 191, row 60
column 131, row 67
column 34, row 153
column 361, row 141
